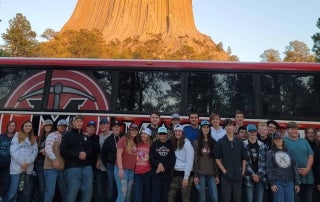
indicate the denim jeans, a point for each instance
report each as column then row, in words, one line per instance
column 285, row 191
column 13, row 188
column 124, row 185
column 112, row 191
column 160, row 188
column 52, row 176
column 4, row 181
column 101, row 185
column 211, row 182
column 142, row 187
column 255, row 192
column 79, row 178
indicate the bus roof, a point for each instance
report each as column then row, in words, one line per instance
column 167, row 64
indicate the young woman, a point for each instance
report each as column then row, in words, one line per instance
column 162, row 160
column 142, row 171
column 205, row 168
column 39, row 162
column 184, row 153
column 126, row 161
column 282, row 171
column 23, row 152
column 5, row 142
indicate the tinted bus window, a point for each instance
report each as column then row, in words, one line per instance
column 21, row 89
column 290, row 95
column 220, row 93
column 149, row 91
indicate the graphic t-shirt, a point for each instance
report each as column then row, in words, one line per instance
column 128, row 157
column 142, row 163
column 254, row 155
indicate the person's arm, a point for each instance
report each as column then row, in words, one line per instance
column 306, row 170
column 220, row 165
column 119, row 162
column 49, row 147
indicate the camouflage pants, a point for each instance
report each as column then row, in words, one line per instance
column 176, row 186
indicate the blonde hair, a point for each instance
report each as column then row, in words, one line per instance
column 262, row 124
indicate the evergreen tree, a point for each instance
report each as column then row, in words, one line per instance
column 19, row 38
column 316, row 45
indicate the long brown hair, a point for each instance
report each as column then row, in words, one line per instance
column 131, row 141
column 22, row 135
column 178, row 143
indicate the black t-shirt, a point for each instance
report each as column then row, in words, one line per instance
column 254, row 155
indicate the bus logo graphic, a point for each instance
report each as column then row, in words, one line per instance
column 69, row 90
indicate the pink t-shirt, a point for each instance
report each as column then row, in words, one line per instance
column 143, row 163
column 128, row 158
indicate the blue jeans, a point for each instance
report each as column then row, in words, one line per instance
column 285, row 191
column 255, row 192
column 101, row 183
column 13, row 188
column 211, row 182
column 142, row 187
column 52, row 176
column 124, row 185
column 79, row 178
column 160, row 188
column 112, row 192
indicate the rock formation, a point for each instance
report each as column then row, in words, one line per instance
column 142, row 20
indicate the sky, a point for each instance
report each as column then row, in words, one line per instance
column 248, row 27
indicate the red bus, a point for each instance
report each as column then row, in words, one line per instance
column 128, row 90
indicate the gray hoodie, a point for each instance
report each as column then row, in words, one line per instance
column 22, row 152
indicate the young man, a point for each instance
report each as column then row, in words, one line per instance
column 303, row 154
column 255, row 176
column 239, row 120
column 154, row 124
column 231, row 159
column 76, row 148
column 192, row 131
column 217, row 132
column 263, row 134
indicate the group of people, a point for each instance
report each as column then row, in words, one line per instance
column 207, row 160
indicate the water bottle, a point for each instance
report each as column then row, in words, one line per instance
column 21, row 181
column 198, row 186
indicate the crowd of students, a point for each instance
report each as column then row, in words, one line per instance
column 201, row 161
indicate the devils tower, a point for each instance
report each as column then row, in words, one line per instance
column 139, row 21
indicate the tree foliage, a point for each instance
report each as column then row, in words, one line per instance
column 316, row 45
column 19, row 38
column 270, row 55
column 298, row 51
column 49, row 34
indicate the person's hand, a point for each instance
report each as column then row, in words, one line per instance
column 82, row 155
column 297, row 188
column 98, row 165
column 274, row 188
column 56, row 164
column 121, row 173
column 255, row 178
column 195, row 180
column 217, row 180
column 24, row 167
column 185, row 183
column 303, row 171
column 42, row 151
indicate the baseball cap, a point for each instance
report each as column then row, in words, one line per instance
column 48, row 122
column 292, row 125
column 146, row 131
column 91, row 123
column 276, row 135
column 134, row 126
column 63, row 122
column 162, row 129
column 178, row 127
column 104, row 120
column 115, row 123
column 204, row 123
column 175, row 116
column 251, row 127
